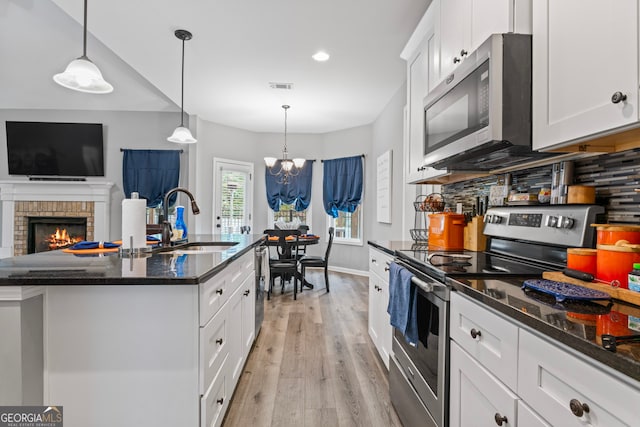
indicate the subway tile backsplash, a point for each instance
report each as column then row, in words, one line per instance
column 615, row 177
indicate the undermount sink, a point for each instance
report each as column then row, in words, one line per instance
column 198, row 248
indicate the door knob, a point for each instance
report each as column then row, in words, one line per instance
column 578, row 409
column 475, row 333
column 499, row 419
column 456, row 59
column 617, row 97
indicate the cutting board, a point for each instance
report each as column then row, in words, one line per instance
column 616, row 293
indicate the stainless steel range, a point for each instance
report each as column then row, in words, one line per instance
column 523, row 242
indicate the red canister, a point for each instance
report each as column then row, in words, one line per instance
column 609, row 234
column 582, row 259
column 614, row 262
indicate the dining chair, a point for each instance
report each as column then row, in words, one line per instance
column 285, row 265
column 317, row 261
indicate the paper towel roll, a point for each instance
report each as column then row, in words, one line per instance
column 134, row 222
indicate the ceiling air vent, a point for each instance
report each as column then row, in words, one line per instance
column 287, row 86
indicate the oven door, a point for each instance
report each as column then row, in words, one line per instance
column 425, row 366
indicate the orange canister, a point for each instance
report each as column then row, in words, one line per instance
column 614, row 262
column 609, row 234
column 582, row 259
column 613, row 323
column 446, row 231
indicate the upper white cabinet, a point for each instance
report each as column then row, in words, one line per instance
column 585, row 77
column 465, row 24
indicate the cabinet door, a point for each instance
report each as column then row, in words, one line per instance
column 476, row 397
column 374, row 284
column 248, row 315
column 455, row 30
column 577, row 69
column 386, row 331
column 551, row 380
column 528, row 418
column 489, row 338
column 236, row 358
column 417, row 88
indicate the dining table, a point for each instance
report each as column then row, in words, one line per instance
column 303, row 240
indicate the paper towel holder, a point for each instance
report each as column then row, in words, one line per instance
column 132, row 252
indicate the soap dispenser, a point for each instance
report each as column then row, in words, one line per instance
column 181, row 226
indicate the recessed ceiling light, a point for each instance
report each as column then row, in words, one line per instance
column 321, row 56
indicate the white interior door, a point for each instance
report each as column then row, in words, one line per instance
column 232, row 196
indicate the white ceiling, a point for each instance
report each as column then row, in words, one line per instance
column 238, row 47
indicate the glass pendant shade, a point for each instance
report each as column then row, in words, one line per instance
column 270, row 161
column 287, row 165
column 182, row 135
column 299, row 163
column 82, row 75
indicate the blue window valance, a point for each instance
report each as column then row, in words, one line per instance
column 151, row 173
column 342, row 185
column 297, row 191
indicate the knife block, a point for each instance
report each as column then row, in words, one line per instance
column 474, row 238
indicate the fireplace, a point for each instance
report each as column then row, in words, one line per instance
column 51, row 233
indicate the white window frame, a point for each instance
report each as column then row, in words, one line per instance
column 348, row 241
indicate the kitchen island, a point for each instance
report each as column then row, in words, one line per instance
column 158, row 340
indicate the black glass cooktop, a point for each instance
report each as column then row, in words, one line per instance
column 467, row 263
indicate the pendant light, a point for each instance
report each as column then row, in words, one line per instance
column 81, row 74
column 182, row 135
column 288, row 167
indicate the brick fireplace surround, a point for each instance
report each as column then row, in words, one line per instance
column 23, row 199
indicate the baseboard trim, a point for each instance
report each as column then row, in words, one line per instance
column 349, row 271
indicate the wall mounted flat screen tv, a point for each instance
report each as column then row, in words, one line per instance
column 55, row 149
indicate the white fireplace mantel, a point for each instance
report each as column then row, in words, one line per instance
column 50, row 191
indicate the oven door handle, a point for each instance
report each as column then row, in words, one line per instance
column 427, row 287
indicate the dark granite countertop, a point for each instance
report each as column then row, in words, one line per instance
column 159, row 268
column 391, row 246
column 578, row 325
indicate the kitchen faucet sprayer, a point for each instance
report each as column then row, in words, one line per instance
column 166, row 225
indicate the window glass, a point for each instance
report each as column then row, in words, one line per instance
column 287, row 213
column 348, row 227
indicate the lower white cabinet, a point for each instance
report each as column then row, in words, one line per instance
column 227, row 339
column 567, row 391
column 528, row 418
column 380, row 329
column 490, row 339
column 215, row 401
column 477, row 398
column 552, row 385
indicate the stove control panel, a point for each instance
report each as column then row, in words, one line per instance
column 564, row 225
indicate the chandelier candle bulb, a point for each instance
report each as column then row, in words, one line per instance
column 134, row 223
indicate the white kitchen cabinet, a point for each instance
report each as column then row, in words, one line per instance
column 380, row 329
column 477, row 398
column 489, row 338
column 578, row 69
column 248, row 315
column 528, row 418
column 567, row 391
column 422, row 56
column 465, row 24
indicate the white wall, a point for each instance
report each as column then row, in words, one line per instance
column 122, row 129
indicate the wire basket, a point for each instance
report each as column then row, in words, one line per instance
column 419, row 234
column 434, row 202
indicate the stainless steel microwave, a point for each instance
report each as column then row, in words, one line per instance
column 479, row 117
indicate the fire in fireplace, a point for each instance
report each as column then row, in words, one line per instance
column 51, row 233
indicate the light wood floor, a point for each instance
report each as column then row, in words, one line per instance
column 313, row 363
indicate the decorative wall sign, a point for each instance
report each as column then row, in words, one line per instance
column 384, row 173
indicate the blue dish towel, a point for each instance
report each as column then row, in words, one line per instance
column 402, row 305
column 94, row 245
